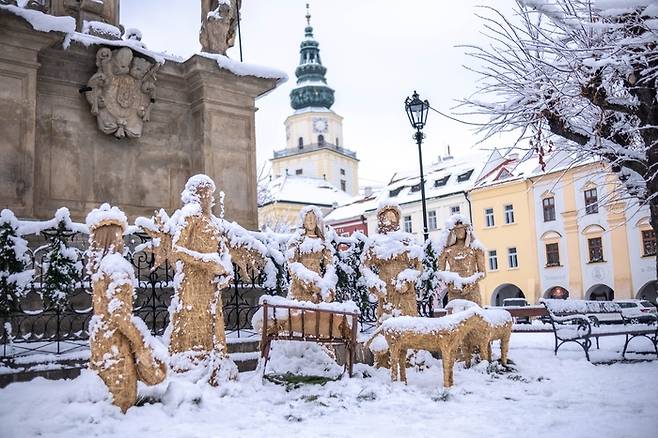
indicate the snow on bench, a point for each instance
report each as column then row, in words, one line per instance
column 573, row 321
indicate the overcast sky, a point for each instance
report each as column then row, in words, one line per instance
column 376, row 52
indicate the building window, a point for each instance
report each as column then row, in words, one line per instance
column 455, row 209
column 465, row 176
column 415, row 188
column 342, row 171
column 441, row 182
column 512, row 258
column 321, row 140
column 343, row 185
column 299, row 171
column 493, row 260
column 591, row 201
column 552, row 254
column 300, row 143
column 337, row 142
column 595, row 246
column 649, row 242
column 509, row 214
column 407, row 224
column 489, row 217
column 549, row 209
column 431, row 219
column 395, row 192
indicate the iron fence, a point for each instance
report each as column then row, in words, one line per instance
column 35, row 325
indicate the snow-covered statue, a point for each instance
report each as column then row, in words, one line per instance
column 310, row 260
column 197, row 341
column 219, row 20
column 390, row 265
column 122, row 348
column 461, row 260
column 121, row 92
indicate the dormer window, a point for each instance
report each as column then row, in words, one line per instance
column 465, row 176
column 395, row 192
column 415, row 188
column 441, row 182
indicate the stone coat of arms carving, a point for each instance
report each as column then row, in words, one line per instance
column 122, row 91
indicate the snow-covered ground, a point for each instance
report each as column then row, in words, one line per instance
column 546, row 396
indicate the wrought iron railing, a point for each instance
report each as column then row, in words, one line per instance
column 33, row 325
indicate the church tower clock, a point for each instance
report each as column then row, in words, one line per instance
column 314, row 133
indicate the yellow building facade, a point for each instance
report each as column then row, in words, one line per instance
column 561, row 232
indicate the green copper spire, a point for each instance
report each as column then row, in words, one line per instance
column 312, row 89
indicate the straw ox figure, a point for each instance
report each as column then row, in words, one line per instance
column 122, row 348
column 390, row 266
column 461, row 260
column 310, row 260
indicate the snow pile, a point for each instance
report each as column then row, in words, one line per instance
column 62, row 215
column 424, row 325
column 558, row 306
column 244, row 69
column 302, row 359
column 42, row 22
column 101, row 29
column 106, row 214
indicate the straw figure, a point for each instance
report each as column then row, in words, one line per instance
column 444, row 335
column 310, row 260
column 192, row 239
column 122, row 348
column 492, row 325
column 463, row 256
column 390, row 265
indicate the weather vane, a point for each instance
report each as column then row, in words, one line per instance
column 308, row 15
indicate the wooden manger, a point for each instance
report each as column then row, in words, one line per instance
column 309, row 323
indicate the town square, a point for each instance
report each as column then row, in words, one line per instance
column 328, row 218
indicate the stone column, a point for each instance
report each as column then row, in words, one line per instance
column 19, row 64
column 224, row 137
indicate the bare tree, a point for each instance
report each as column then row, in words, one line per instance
column 587, row 74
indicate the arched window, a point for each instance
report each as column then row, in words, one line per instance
column 300, row 143
column 321, row 139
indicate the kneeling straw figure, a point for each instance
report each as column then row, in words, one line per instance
column 310, row 260
column 122, row 348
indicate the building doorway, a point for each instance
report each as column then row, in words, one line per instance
column 600, row 292
column 503, row 291
column 649, row 292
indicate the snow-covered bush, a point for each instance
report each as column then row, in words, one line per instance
column 347, row 263
column 14, row 276
column 62, row 267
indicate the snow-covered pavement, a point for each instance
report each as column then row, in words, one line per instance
column 546, row 396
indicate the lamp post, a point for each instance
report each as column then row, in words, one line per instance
column 417, row 112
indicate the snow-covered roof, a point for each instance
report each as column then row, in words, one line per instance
column 49, row 23
column 443, row 178
column 513, row 168
column 352, row 210
column 304, row 190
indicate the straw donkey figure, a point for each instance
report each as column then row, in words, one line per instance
column 122, row 349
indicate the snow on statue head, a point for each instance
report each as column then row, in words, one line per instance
column 199, row 189
column 311, row 222
column 458, row 228
column 106, row 227
column 388, row 216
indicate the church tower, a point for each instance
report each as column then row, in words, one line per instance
column 314, row 133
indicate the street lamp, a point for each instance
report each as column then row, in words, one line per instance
column 417, row 112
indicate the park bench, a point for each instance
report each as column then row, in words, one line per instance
column 323, row 323
column 576, row 321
